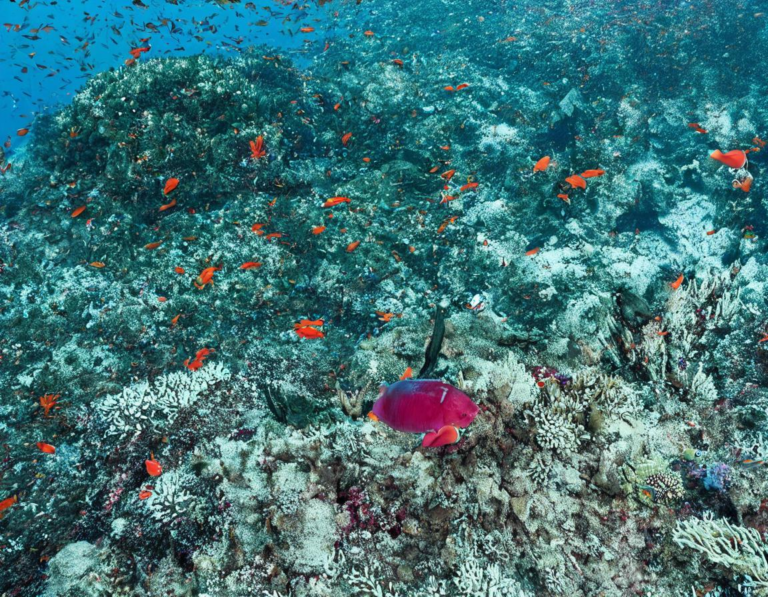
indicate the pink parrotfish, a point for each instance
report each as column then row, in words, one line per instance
column 427, row 406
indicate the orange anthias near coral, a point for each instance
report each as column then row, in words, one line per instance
column 257, row 148
column 197, row 362
column 48, row 402
column 206, row 277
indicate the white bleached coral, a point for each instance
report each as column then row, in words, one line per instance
column 153, row 406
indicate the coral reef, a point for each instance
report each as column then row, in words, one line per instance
column 622, row 417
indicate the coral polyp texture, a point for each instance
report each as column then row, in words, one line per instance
column 210, row 264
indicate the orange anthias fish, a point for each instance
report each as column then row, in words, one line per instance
column 251, row 265
column 469, row 186
column 153, row 245
column 542, row 164
column 22, row 132
column 733, row 159
column 178, row 270
column 462, row 86
column 345, row 139
column 697, row 127
column 308, row 323
column 407, row 374
column 352, row 246
column 153, row 466
column 576, row 182
column 197, row 362
column 206, row 277
column 334, row 201
column 48, row 402
column 168, row 205
column 78, row 211
column 446, row 223
column 97, row 264
column 745, row 184
column 532, row 252
column 7, row 503
column 448, row 175
column 46, row 448
column 257, row 148
column 318, row 229
column 308, row 328
column 310, row 333
column 564, row 197
column 592, row 173
column 170, row 184
column 676, row 284
column 307, row 29
column 145, row 494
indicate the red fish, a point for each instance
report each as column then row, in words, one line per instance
column 462, row 86
column 251, row 265
column 22, row 132
column 206, row 277
column 697, row 127
column 304, row 323
column 168, row 205
column 178, row 270
column 202, row 354
column 334, row 201
column 153, row 466
column 532, row 252
column 448, row 175
column 592, row 173
column 309, row 332
column 345, row 139
column 136, row 52
column 46, row 448
column 744, row 184
column 143, row 495
column 424, row 406
column 78, row 211
column 469, row 186
column 564, row 197
column 170, row 184
column 576, row 182
column 449, row 434
column 407, row 374
column 733, row 159
column 352, row 246
column 7, row 503
column 676, row 284
column 542, row 164
column 257, row 148
column 318, row 229
column 154, row 245
column 48, row 402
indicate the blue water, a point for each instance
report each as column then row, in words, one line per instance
column 91, row 36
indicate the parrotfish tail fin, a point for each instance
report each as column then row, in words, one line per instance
column 446, row 435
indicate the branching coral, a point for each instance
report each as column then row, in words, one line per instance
column 742, row 550
column 154, row 406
